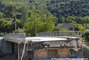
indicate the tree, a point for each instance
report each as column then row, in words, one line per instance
column 10, row 11
column 1, row 15
column 61, row 20
column 7, row 25
column 24, row 15
column 35, row 24
column 79, row 27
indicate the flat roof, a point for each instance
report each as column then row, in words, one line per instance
column 1, row 38
column 39, row 39
column 43, row 39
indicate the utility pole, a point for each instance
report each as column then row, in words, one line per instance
column 35, row 20
column 15, row 23
column 35, row 24
column 18, row 51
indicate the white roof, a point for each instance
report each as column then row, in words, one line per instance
column 43, row 39
column 1, row 38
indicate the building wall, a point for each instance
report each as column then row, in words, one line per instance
column 6, row 47
column 10, row 48
column 1, row 45
column 85, row 50
column 68, row 26
column 40, row 54
column 63, row 52
column 51, row 53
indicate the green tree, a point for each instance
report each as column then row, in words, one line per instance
column 79, row 27
column 24, row 14
column 35, row 24
column 1, row 15
column 10, row 11
column 7, row 25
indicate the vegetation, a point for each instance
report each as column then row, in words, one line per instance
column 32, row 16
column 34, row 25
column 86, row 35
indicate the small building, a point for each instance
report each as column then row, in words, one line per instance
column 68, row 26
column 42, row 47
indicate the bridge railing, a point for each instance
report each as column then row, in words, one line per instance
column 61, row 33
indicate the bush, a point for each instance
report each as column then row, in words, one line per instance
column 63, row 29
column 86, row 35
column 19, row 31
column 79, row 27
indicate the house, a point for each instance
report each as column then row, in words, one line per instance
column 68, row 26
column 42, row 47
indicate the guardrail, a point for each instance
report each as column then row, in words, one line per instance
column 61, row 33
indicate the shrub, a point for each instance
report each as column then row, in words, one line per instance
column 86, row 35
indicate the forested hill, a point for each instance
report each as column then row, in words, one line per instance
column 69, row 7
column 45, row 12
column 59, row 8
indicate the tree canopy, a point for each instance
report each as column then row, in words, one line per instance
column 41, row 15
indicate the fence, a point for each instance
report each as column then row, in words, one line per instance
column 61, row 33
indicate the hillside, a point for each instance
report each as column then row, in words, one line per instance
column 59, row 8
column 41, row 12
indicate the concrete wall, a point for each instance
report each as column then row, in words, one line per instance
column 63, row 52
column 85, row 51
column 51, row 53
column 40, row 54
column 8, row 47
column 1, row 44
column 5, row 48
